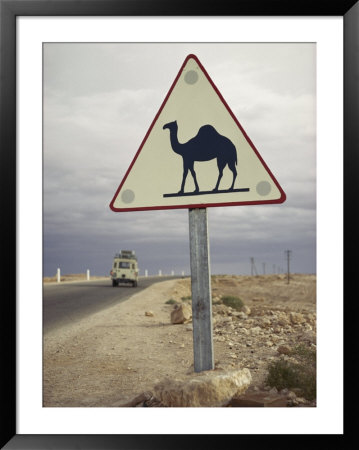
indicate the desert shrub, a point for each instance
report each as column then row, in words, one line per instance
column 304, row 354
column 188, row 297
column 170, row 302
column 297, row 374
column 232, row 301
column 282, row 374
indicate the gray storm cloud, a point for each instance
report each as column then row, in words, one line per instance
column 99, row 101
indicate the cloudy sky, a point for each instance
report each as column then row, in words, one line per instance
column 99, row 102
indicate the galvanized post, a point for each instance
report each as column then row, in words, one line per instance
column 201, row 290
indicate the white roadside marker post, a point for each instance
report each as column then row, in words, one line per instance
column 201, row 290
column 58, row 275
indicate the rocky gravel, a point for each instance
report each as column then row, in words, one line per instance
column 124, row 351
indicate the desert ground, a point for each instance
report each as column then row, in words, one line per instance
column 112, row 357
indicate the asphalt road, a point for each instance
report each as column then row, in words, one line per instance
column 64, row 303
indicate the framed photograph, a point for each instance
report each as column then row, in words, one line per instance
column 48, row 80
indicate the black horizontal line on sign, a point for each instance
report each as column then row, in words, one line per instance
column 186, row 194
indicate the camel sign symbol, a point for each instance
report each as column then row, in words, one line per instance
column 195, row 154
column 208, row 144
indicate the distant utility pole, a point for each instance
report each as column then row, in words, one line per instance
column 288, row 253
column 264, row 268
column 253, row 267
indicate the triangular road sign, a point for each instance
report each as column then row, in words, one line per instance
column 195, row 154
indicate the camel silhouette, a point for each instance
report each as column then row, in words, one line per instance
column 206, row 145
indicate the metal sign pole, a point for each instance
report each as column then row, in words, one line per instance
column 201, row 290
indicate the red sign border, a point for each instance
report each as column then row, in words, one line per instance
column 197, row 205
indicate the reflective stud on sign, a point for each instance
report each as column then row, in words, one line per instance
column 191, row 77
column 263, row 188
column 195, row 154
column 128, row 196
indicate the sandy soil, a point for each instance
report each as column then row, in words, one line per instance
column 112, row 356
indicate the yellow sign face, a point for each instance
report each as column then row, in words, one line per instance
column 195, row 154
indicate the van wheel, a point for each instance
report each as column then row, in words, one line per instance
column 114, row 284
column 135, row 284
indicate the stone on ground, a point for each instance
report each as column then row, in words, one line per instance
column 210, row 388
column 181, row 313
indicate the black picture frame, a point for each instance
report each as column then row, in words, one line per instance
column 9, row 10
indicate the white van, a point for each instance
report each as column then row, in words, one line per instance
column 124, row 268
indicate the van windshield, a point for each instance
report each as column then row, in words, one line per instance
column 124, row 265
